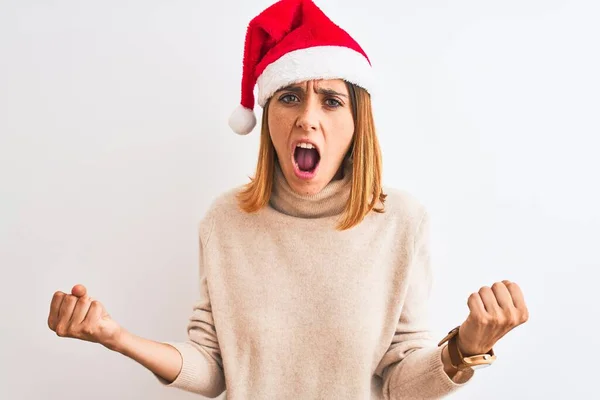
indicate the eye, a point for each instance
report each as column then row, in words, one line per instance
column 288, row 98
column 333, row 103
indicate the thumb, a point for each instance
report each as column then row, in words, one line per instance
column 79, row 290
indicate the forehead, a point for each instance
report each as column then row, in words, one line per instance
column 334, row 84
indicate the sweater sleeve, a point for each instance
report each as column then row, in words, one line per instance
column 412, row 367
column 202, row 368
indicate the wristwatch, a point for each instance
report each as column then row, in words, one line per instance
column 461, row 362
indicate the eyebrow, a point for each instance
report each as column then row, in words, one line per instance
column 326, row 92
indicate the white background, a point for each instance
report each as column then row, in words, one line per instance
column 114, row 140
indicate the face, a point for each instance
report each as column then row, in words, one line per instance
column 311, row 128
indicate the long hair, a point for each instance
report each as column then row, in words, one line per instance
column 366, row 166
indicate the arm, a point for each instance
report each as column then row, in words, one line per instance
column 78, row 316
column 194, row 365
column 160, row 358
column 414, row 366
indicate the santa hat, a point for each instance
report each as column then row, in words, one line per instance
column 289, row 42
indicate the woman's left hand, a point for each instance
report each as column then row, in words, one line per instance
column 493, row 313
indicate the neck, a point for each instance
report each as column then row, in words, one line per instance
column 330, row 201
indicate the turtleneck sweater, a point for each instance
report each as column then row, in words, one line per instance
column 329, row 202
column 291, row 308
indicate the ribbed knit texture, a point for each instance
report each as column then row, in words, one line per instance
column 290, row 308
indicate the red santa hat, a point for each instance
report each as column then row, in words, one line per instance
column 289, row 42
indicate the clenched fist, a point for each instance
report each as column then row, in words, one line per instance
column 78, row 316
column 493, row 313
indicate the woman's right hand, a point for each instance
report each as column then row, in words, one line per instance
column 78, row 316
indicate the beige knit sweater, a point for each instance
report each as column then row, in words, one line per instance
column 290, row 308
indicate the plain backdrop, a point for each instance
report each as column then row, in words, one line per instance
column 114, row 141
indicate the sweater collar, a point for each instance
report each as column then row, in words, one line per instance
column 328, row 202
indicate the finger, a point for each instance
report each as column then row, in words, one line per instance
column 81, row 310
column 95, row 312
column 65, row 314
column 489, row 300
column 79, row 290
column 518, row 300
column 503, row 296
column 55, row 304
column 476, row 306
column 516, row 294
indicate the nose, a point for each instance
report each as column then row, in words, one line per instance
column 308, row 120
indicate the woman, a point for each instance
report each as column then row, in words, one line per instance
column 314, row 280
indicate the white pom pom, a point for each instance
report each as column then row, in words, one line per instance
column 242, row 120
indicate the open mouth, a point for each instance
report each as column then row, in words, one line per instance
column 306, row 159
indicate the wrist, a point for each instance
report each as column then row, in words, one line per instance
column 119, row 342
column 461, row 361
column 468, row 351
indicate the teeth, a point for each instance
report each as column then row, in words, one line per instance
column 305, row 145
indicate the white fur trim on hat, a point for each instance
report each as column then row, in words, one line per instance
column 242, row 120
column 319, row 62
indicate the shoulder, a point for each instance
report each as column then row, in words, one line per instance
column 225, row 201
column 408, row 213
column 403, row 203
column 224, row 206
